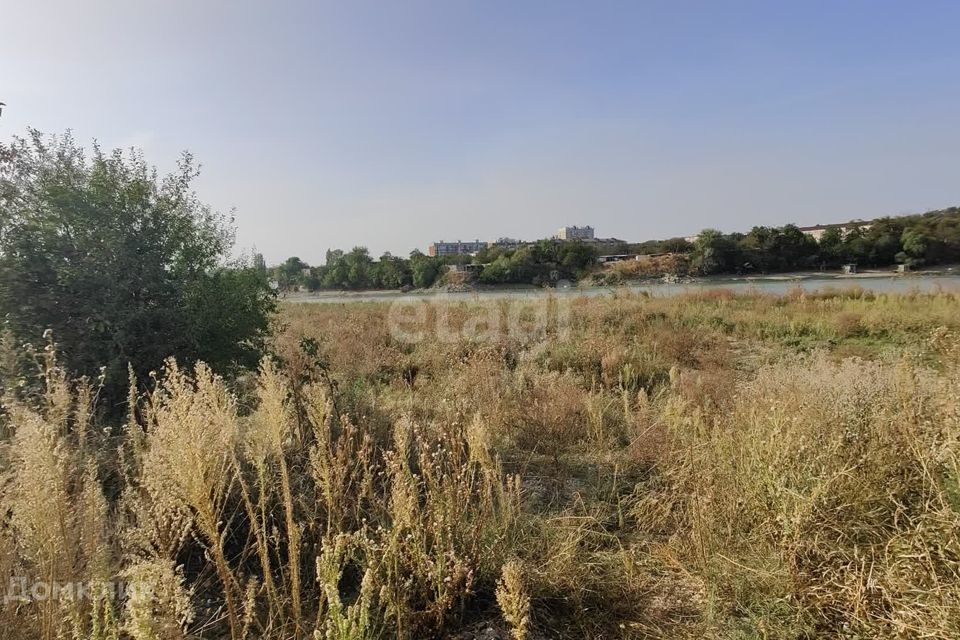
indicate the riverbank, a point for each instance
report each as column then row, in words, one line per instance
column 878, row 280
column 839, row 275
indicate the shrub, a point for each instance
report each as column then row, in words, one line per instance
column 124, row 266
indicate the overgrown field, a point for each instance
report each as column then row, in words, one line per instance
column 719, row 465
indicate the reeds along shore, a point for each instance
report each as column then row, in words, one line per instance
column 717, row 465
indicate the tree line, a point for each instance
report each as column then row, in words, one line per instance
column 535, row 263
column 930, row 238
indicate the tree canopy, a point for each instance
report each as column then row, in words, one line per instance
column 929, row 238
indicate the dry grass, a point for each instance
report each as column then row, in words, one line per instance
column 644, row 267
column 712, row 465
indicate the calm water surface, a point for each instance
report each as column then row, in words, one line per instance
column 880, row 284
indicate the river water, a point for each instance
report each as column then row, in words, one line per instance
column 925, row 283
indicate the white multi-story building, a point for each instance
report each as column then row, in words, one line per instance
column 574, row 233
column 816, row 231
column 450, row 248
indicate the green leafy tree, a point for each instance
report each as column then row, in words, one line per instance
column 392, row 272
column 424, row 270
column 122, row 265
column 914, row 244
column 258, row 264
column 675, row 245
column 794, row 248
column 359, row 267
column 577, row 258
column 337, row 271
column 333, row 255
column 713, row 252
column 857, row 247
column 290, row 274
column 497, row 272
column 758, row 248
column 883, row 239
column 523, row 265
column 831, row 247
column 487, row 255
column 311, row 278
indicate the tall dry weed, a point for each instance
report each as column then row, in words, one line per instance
column 826, row 485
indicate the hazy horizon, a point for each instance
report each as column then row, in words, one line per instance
column 392, row 125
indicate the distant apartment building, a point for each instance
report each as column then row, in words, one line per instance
column 816, row 231
column 574, row 233
column 453, row 248
column 506, row 244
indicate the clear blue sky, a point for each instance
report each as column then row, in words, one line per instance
column 394, row 123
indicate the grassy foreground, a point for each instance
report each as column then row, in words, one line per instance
column 718, row 465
